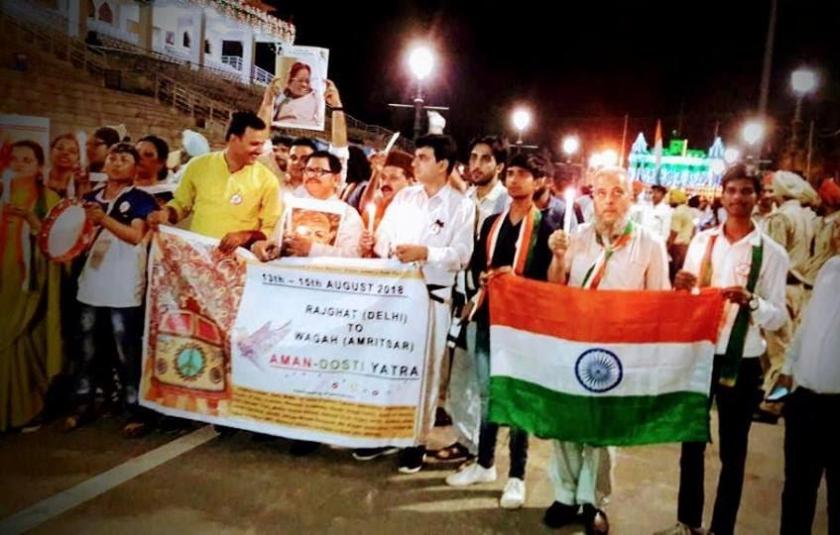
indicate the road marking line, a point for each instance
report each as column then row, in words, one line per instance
column 55, row 505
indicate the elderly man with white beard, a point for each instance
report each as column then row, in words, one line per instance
column 609, row 253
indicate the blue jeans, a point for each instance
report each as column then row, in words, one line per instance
column 125, row 326
column 518, row 443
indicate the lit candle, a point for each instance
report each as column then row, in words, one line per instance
column 371, row 213
column 569, row 197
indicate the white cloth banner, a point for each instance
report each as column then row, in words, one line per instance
column 325, row 349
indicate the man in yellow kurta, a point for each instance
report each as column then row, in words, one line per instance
column 230, row 195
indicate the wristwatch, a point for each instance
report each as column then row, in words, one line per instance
column 753, row 303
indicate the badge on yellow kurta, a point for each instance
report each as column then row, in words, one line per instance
column 236, row 199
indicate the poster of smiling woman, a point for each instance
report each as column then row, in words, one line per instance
column 298, row 87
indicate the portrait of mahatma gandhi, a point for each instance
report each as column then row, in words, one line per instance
column 322, row 227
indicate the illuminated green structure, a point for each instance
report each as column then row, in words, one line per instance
column 678, row 166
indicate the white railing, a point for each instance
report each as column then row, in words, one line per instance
column 233, row 61
column 261, row 76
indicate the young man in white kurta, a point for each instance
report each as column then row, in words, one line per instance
column 432, row 224
column 581, row 474
column 722, row 257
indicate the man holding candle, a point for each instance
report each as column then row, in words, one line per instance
column 431, row 224
column 514, row 241
column 389, row 177
column 610, row 253
column 321, row 177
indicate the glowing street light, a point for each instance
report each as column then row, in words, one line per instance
column 571, row 144
column 731, row 155
column 421, row 61
column 521, row 120
column 609, row 158
column 752, row 132
column 803, row 81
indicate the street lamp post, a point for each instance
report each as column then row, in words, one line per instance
column 753, row 133
column 803, row 82
column 421, row 62
column 521, row 120
column 571, row 144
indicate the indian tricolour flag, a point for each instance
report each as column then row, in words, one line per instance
column 602, row 367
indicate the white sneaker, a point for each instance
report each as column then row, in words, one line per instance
column 514, row 494
column 470, row 475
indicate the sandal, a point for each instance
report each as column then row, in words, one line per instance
column 136, row 429
column 453, row 452
column 595, row 520
column 79, row 418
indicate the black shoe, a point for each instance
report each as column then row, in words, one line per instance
column 595, row 520
column 225, row 432
column 411, row 459
column 300, row 448
column 559, row 515
column 369, row 454
column 765, row 417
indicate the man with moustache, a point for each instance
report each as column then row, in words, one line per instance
column 230, row 195
column 389, row 178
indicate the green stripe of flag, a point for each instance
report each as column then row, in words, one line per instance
column 599, row 420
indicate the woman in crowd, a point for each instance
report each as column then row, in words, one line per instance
column 30, row 339
column 66, row 176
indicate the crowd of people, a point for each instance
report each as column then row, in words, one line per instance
column 769, row 242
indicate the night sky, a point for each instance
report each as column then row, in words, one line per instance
column 581, row 66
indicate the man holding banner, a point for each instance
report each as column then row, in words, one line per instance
column 611, row 253
column 322, row 173
column 432, row 224
column 751, row 270
column 230, row 195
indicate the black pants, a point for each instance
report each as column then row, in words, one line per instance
column 810, row 422
column 735, row 409
column 518, row 448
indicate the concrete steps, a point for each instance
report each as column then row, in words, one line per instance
column 75, row 100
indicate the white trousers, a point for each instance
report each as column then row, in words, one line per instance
column 581, row 474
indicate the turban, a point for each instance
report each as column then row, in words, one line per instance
column 787, row 184
column 809, row 195
column 677, row 196
column 830, row 192
column 194, row 143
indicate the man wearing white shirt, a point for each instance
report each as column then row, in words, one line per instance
column 656, row 216
column 811, row 447
column 609, row 253
column 432, row 224
column 320, row 179
column 750, row 268
column 488, row 156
